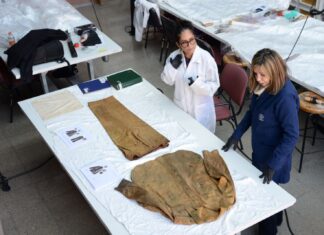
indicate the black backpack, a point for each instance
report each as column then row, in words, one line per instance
column 48, row 52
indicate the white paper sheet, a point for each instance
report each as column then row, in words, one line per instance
column 100, row 174
column 75, row 136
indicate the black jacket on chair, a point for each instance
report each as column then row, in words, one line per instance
column 22, row 54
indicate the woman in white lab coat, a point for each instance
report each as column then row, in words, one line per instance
column 194, row 73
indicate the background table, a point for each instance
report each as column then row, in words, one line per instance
column 20, row 17
column 307, row 60
column 255, row 201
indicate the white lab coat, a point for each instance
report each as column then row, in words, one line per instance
column 141, row 16
column 279, row 5
column 319, row 6
column 197, row 99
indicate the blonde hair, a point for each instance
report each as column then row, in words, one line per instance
column 274, row 65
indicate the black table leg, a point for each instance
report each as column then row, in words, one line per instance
column 132, row 7
column 303, row 145
column 4, row 183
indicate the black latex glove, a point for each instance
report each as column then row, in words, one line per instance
column 231, row 141
column 176, row 61
column 191, row 80
column 267, row 175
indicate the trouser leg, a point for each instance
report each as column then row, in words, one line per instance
column 269, row 225
column 279, row 218
column 132, row 7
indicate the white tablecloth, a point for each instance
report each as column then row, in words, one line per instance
column 21, row 16
column 255, row 201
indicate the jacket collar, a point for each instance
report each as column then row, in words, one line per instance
column 196, row 57
column 259, row 90
column 267, row 97
column 264, row 97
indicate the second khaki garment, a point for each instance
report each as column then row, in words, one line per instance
column 183, row 186
column 133, row 137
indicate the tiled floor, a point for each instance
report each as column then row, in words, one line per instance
column 47, row 202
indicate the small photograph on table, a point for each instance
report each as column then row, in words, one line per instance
column 74, row 136
column 100, row 174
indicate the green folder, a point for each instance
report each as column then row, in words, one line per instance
column 124, row 79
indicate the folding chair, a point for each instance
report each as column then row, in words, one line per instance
column 10, row 84
column 154, row 22
column 233, row 82
column 215, row 53
column 169, row 35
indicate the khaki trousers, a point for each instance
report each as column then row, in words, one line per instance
column 132, row 136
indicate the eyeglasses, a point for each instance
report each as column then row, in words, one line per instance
column 185, row 44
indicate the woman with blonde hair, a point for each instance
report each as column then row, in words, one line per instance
column 273, row 117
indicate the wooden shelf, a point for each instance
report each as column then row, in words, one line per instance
column 308, row 2
column 304, row 5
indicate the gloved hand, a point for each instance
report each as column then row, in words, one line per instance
column 231, row 141
column 267, row 175
column 176, row 61
column 191, row 80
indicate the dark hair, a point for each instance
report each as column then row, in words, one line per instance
column 275, row 66
column 183, row 25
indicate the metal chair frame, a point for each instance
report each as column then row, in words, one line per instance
column 232, row 118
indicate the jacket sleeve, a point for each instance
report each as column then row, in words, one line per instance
column 287, row 113
column 169, row 73
column 243, row 125
column 246, row 121
column 207, row 85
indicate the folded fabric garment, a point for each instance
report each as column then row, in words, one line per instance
column 56, row 104
column 133, row 137
column 183, row 186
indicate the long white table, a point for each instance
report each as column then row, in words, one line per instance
column 215, row 11
column 306, row 63
column 255, row 201
column 20, row 17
